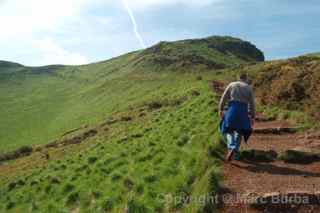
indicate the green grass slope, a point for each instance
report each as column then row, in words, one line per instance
column 38, row 104
column 127, row 134
column 291, row 84
column 151, row 158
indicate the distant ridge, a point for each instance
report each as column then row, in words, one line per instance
column 215, row 52
column 8, row 64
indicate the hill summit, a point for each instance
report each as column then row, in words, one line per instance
column 215, row 52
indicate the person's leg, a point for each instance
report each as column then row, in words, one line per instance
column 232, row 145
column 234, row 142
column 237, row 138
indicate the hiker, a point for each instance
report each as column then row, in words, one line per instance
column 238, row 119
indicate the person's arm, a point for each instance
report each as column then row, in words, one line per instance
column 252, row 105
column 224, row 99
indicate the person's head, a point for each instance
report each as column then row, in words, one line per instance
column 243, row 77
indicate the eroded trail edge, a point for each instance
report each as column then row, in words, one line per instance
column 279, row 171
column 267, row 179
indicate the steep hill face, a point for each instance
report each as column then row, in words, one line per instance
column 212, row 53
column 53, row 99
column 293, row 84
column 106, row 137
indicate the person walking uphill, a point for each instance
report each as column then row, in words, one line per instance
column 238, row 119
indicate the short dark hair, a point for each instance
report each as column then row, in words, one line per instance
column 243, row 76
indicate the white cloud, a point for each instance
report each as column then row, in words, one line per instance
column 19, row 17
column 24, row 22
column 53, row 53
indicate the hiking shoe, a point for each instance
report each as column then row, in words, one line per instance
column 229, row 155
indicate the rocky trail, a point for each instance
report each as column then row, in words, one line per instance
column 279, row 171
column 277, row 186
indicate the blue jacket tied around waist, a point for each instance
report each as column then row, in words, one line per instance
column 237, row 119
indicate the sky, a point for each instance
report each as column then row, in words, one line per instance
column 42, row 32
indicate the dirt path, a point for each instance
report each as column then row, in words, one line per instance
column 245, row 181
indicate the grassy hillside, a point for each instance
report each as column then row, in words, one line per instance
column 137, row 133
column 291, row 84
column 38, row 104
column 127, row 134
column 138, row 159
